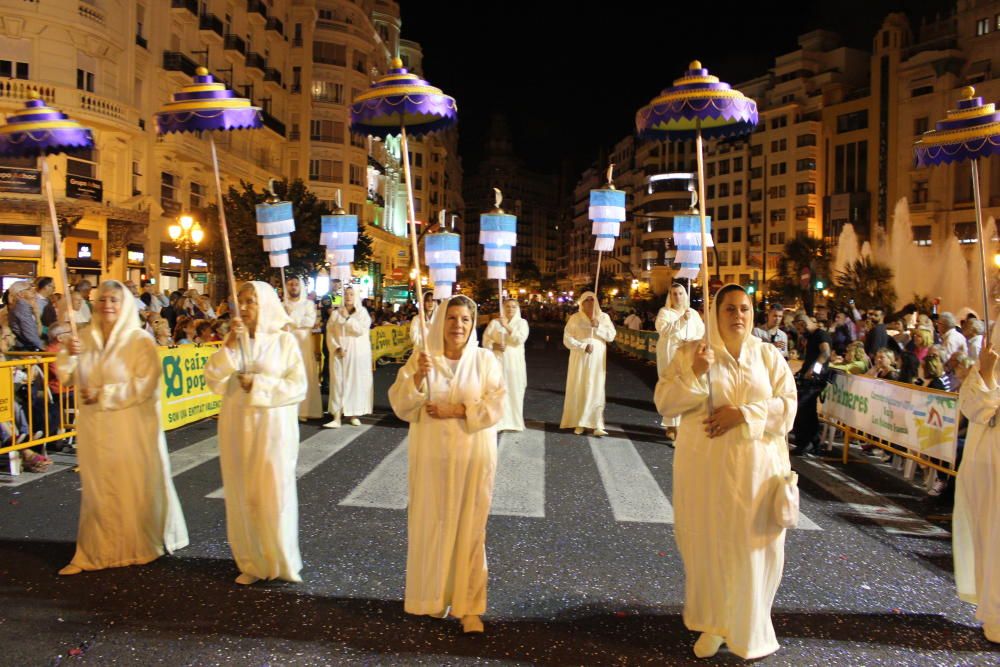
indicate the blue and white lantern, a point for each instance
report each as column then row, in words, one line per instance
column 339, row 233
column 443, row 253
column 275, row 224
column 687, row 238
column 498, row 234
column 607, row 211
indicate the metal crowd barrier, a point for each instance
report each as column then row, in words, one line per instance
column 636, row 344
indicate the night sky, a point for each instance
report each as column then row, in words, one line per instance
column 571, row 75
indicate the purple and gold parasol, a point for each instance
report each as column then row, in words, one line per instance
column 402, row 103
column 698, row 106
column 970, row 132
column 207, row 106
column 38, row 131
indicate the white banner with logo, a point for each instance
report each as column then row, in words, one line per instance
column 921, row 421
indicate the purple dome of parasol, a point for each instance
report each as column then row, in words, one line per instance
column 207, row 105
column 38, row 129
column 969, row 132
column 399, row 99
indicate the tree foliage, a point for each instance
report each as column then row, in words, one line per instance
column 306, row 257
column 869, row 283
column 799, row 253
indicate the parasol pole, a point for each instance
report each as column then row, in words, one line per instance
column 977, row 197
column 226, row 251
column 412, row 215
column 705, row 310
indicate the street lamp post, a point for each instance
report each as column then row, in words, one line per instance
column 186, row 234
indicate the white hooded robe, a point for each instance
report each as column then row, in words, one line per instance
column 733, row 550
column 452, row 463
column 673, row 332
column 583, row 406
column 129, row 511
column 352, row 383
column 976, row 519
column 302, row 313
column 514, row 370
column 259, row 444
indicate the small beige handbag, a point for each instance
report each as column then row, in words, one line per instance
column 786, row 500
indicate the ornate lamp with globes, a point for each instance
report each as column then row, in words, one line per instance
column 186, row 234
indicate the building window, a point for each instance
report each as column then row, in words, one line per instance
column 723, row 167
column 778, row 168
column 417, row 159
column 779, row 122
column 330, row 131
column 966, row 232
column 805, row 164
column 778, row 215
column 805, row 140
column 921, row 90
column 13, row 69
column 724, row 212
column 82, row 163
column 982, row 27
column 737, row 231
column 849, row 122
column 919, row 192
column 710, row 192
column 805, row 188
column 756, row 172
column 805, row 212
column 328, row 53
column 169, row 184
column 756, row 150
column 737, row 257
column 920, row 125
column 328, row 91
column 710, row 170
column 723, row 190
column 850, row 168
column 326, row 171
column 354, row 209
column 776, row 192
column 136, row 178
column 356, row 175
column 85, row 80
column 779, row 145
column 922, row 235
column 197, row 196
column 737, row 187
column 737, row 164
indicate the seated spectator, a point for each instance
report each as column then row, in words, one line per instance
column 909, row 368
column 855, row 360
column 161, row 330
column 973, row 328
column 936, row 375
column 885, row 365
column 184, row 331
column 203, row 332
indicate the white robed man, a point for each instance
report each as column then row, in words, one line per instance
column 302, row 311
column 587, row 334
column 677, row 323
column 727, row 469
column 348, row 337
column 452, row 464
column 261, row 385
column 976, row 524
column 429, row 305
column 505, row 336
column 129, row 511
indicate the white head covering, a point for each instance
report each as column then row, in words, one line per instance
column 716, row 338
column 271, row 315
column 435, row 335
column 584, row 297
column 670, row 296
column 128, row 318
column 517, row 306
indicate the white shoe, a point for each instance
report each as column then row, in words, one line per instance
column 992, row 633
column 335, row 423
column 70, row 570
column 578, row 430
column 708, row 645
column 599, row 433
column 303, row 420
column 355, row 421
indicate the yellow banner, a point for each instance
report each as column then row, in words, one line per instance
column 390, row 341
column 6, row 395
column 184, row 393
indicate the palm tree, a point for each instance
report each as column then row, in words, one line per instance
column 801, row 252
column 869, row 283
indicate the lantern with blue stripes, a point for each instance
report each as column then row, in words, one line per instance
column 275, row 224
column 498, row 234
column 607, row 212
column 339, row 233
column 443, row 254
column 687, row 238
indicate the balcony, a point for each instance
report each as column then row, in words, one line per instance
column 175, row 61
column 211, row 23
column 274, row 24
column 90, row 108
column 234, row 43
column 294, row 135
column 185, row 8
column 257, row 11
column 256, row 61
column 272, row 75
column 273, row 124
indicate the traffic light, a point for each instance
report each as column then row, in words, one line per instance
column 751, row 288
column 819, row 285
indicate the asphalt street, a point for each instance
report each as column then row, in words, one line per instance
column 583, row 565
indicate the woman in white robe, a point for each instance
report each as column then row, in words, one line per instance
column 676, row 323
column 259, row 436
column 586, row 336
column 302, row 312
column 452, row 463
column 505, row 337
column 727, row 468
column 129, row 511
column 348, row 337
column 415, row 330
column 976, row 522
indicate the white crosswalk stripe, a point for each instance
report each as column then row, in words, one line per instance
column 519, row 489
column 385, row 486
column 316, row 449
column 632, row 491
column 192, row 456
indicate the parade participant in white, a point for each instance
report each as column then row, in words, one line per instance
column 348, row 337
column 129, row 512
column 429, row 304
column 259, row 436
column 302, row 311
column 587, row 334
column 505, row 336
column 727, row 468
column 676, row 323
column 453, row 457
column 976, row 524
